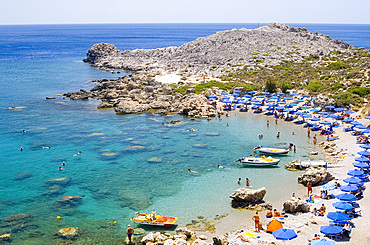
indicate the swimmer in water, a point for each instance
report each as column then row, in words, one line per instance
column 260, row 135
column 46, row 147
column 21, row 149
column 239, row 180
column 63, row 163
column 191, row 171
column 79, row 153
column 60, row 168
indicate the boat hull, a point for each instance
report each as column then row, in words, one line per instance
column 272, row 151
column 163, row 221
column 262, row 162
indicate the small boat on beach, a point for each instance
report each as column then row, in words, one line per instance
column 273, row 151
column 154, row 219
column 259, row 161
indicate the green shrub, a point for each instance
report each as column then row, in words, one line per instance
column 344, row 99
column 285, row 87
column 314, row 86
column 337, row 65
column 361, row 91
column 255, row 53
column 270, row 86
column 260, row 61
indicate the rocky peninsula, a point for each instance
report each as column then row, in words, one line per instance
column 272, row 57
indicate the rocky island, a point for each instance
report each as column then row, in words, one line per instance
column 275, row 57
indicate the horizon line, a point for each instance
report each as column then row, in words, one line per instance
column 119, row 23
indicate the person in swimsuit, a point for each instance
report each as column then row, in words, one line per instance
column 129, row 232
column 256, row 219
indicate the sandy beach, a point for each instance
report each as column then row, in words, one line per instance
column 307, row 224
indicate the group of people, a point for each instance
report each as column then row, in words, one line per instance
column 321, row 211
column 247, row 181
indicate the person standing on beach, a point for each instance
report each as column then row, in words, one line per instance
column 268, row 123
column 129, row 233
column 314, row 139
column 309, row 188
column 308, row 132
column 256, row 219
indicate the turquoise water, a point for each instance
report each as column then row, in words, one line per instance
column 114, row 182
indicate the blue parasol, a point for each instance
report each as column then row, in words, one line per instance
column 348, row 188
column 360, row 165
column 293, row 94
column 322, row 241
column 343, row 205
column 298, row 100
column 325, row 122
column 330, row 107
column 315, row 119
column 356, row 172
column 360, row 126
column 366, row 131
column 364, row 153
column 346, row 197
column 365, row 146
column 251, row 92
column 338, row 216
column 352, row 180
column 237, row 91
column 284, row 234
column 224, row 93
column 348, row 120
column 356, row 123
column 212, row 96
column 349, row 112
column 338, row 109
column 265, row 93
column 323, row 113
column 368, row 117
column 331, row 230
column 362, row 159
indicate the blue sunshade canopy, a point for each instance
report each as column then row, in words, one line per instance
column 284, row 234
column 352, row 180
column 360, row 165
column 347, row 197
column 342, row 205
column 322, row 241
column 338, row 216
column 331, row 230
column 348, row 188
column 362, row 159
column 364, row 153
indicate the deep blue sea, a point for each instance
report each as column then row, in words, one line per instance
column 39, row 61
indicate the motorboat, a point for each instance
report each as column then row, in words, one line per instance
column 154, row 219
column 259, row 161
column 273, row 151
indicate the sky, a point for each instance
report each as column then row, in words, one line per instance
column 183, row 11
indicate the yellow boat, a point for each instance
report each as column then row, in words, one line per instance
column 154, row 219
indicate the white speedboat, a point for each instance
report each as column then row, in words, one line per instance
column 259, row 161
column 273, row 151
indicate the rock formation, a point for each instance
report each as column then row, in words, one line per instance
column 69, row 201
column 249, row 198
column 271, row 43
column 68, row 233
column 315, row 176
column 294, row 205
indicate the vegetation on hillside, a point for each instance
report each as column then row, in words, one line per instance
column 342, row 76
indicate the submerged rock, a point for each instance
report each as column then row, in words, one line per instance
column 154, row 160
column 63, row 181
column 7, row 237
column 23, row 175
column 68, row 233
column 69, row 201
column 18, row 222
column 135, row 148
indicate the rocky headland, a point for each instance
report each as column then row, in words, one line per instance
column 233, row 56
column 271, row 43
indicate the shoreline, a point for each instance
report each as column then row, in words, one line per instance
column 339, row 171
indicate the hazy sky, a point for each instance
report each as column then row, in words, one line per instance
column 185, row 11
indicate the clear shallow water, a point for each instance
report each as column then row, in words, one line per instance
column 40, row 61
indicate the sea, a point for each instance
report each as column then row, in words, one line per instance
column 128, row 163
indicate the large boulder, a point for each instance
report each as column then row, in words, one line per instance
column 7, row 237
column 68, row 233
column 184, row 231
column 294, row 205
column 315, row 176
column 248, row 195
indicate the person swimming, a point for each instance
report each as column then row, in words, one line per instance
column 78, row 153
column 46, row 147
column 191, row 171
